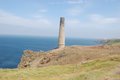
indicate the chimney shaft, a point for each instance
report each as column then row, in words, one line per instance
column 61, row 39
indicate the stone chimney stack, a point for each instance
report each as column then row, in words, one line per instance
column 61, row 39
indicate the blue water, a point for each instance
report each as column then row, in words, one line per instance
column 12, row 47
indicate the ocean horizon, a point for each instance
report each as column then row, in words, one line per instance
column 12, row 47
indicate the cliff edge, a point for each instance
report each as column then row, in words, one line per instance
column 69, row 63
column 67, row 55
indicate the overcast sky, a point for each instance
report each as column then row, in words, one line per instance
column 83, row 18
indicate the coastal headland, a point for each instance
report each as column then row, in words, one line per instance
column 100, row 62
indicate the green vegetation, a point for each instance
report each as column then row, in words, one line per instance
column 113, row 42
column 73, row 63
column 100, row 69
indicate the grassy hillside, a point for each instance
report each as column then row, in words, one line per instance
column 74, row 63
column 99, row 69
column 113, row 42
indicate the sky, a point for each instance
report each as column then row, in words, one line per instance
column 83, row 18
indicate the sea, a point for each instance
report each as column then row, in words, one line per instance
column 12, row 47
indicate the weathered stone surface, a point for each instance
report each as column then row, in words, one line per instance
column 37, row 59
column 61, row 39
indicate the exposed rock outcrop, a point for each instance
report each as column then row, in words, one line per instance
column 67, row 55
column 38, row 59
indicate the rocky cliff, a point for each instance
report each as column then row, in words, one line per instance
column 67, row 55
